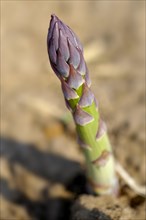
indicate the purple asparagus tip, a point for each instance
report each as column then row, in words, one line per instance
column 66, row 57
column 64, row 48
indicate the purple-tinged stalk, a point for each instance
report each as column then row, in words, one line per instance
column 66, row 58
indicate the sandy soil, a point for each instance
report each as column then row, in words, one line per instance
column 42, row 167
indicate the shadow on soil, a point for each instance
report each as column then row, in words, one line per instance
column 46, row 165
column 47, row 209
column 49, row 166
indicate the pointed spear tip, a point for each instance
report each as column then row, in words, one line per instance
column 55, row 19
column 53, row 16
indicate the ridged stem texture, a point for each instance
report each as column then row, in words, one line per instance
column 66, row 58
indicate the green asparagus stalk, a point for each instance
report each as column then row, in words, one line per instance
column 66, row 58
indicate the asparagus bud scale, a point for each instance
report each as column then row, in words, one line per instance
column 66, row 58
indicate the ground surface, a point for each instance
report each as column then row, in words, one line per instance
column 42, row 167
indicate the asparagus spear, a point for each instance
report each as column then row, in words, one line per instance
column 66, row 58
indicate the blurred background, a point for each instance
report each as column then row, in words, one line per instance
column 42, row 167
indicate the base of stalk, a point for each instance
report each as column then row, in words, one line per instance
column 106, row 189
